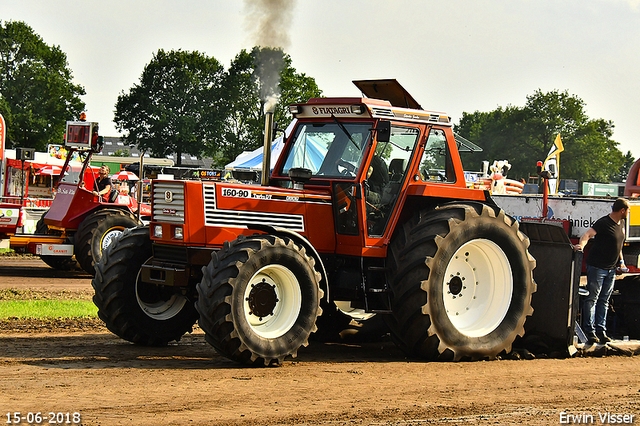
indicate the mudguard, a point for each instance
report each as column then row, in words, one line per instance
column 557, row 275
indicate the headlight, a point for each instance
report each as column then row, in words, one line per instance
column 157, row 231
column 177, row 233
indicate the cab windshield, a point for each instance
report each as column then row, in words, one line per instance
column 72, row 174
column 332, row 149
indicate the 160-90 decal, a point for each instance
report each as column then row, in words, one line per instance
column 246, row 193
column 235, row 192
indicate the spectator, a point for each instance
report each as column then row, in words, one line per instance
column 604, row 256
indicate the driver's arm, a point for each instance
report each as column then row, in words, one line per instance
column 106, row 190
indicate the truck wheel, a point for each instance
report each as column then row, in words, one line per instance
column 462, row 281
column 141, row 313
column 259, row 299
column 61, row 263
column 83, row 237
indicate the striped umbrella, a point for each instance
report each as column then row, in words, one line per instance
column 124, row 175
column 50, row 170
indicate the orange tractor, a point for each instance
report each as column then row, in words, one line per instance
column 365, row 212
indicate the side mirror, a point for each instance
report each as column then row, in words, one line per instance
column 299, row 176
column 383, row 131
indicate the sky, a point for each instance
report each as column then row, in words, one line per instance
column 453, row 56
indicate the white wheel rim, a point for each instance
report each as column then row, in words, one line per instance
column 109, row 237
column 477, row 288
column 280, row 314
column 160, row 309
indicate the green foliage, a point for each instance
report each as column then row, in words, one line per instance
column 622, row 174
column 121, row 153
column 242, row 124
column 186, row 103
column 176, row 107
column 37, row 95
column 251, row 79
column 524, row 135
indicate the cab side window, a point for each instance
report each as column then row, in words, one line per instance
column 386, row 174
column 435, row 165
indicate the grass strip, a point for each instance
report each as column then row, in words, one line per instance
column 47, row 309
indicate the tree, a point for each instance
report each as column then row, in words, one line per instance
column 241, row 127
column 251, row 79
column 524, row 135
column 176, row 107
column 37, row 96
column 621, row 175
column 121, row 153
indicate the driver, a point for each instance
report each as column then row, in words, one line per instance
column 102, row 186
column 378, row 178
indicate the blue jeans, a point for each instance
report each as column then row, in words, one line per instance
column 600, row 286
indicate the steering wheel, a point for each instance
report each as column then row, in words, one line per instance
column 434, row 175
column 348, row 168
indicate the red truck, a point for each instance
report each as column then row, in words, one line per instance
column 78, row 225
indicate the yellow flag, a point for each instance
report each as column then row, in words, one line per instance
column 556, row 148
column 552, row 163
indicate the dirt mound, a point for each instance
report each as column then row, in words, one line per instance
column 51, row 325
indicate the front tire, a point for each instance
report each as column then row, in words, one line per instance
column 83, row 246
column 259, row 299
column 142, row 313
column 462, row 281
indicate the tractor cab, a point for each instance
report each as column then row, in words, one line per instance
column 373, row 156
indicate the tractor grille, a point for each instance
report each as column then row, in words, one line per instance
column 168, row 202
column 245, row 219
column 382, row 112
column 177, row 254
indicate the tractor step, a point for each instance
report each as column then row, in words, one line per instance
column 378, row 290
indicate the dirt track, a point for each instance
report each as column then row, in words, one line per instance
column 85, row 369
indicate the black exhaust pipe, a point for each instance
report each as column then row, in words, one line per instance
column 268, row 137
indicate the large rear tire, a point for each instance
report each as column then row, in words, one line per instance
column 61, row 263
column 462, row 281
column 83, row 245
column 139, row 312
column 259, row 299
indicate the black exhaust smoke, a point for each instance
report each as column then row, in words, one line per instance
column 268, row 21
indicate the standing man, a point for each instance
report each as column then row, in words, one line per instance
column 102, row 186
column 604, row 257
